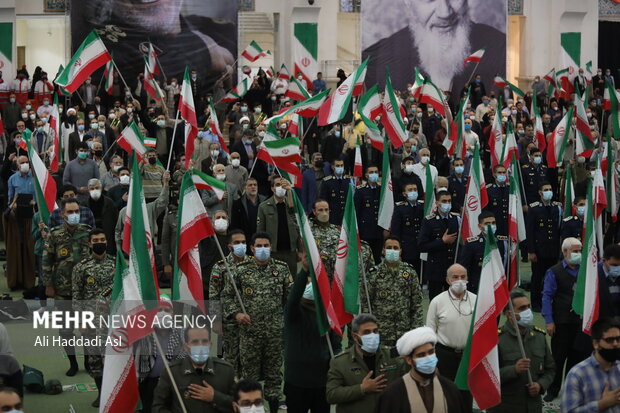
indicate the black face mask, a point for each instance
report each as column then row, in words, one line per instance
column 98, row 153
column 318, row 164
column 100, row 247
column 152, row 161
column 609, row 354
column 416, row 130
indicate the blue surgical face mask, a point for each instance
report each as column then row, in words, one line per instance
column 413, row 148
column 614, row 271
column 501, row 178
column 426, row 365
column 581, row 210
column 494, row 228
column 445, row 208
column 575, row 258
column 547, row 195
column 412, row 196
column 337, row 134
column 73, row 219
column 392, row 256
column 308, row 292
column 199, row 354
column 467, row 126
column 537, row 160
column 486, row 102
column 459, row 169
column 239, row 250
column 526, row 318
column 80, row 127
column 339, row 170
column 262, row 253
column 374, row 177
column 370, row 342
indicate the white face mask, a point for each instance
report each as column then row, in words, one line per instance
column 458, row 286
column 215, row 153
column 124, row 180
column 24, row 168
column 221, row 177
column 409, row 168
column 220, row 224
column 280, row 192
column 95, row 194
column 235, row 162
column 252, row 409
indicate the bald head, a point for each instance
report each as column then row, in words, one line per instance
column 456, row 272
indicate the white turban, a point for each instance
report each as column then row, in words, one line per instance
column 414, row 339
column 244, row 119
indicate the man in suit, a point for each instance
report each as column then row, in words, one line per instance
column 75, row 138
column 245, row 209
column 213, row 159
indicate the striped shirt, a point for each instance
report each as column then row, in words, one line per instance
column 585, row 384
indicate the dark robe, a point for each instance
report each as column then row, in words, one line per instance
column 394, row 398
column 20, row 264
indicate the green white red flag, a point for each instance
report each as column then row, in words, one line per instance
column 283, row 73
column 336, row 106
column 56, row 154
column 516, row 223
column 476, row 197
column 558, row 140
column 418, row 82
column 570, row 59
column 188, row 114
column 153, row 61
column 429, row 191
column 569, row 192
column 193, row 225
column 325, row 313
column 391, row 119
column 585, row 298
column 539, row 130
column 479, row 368
column 296, row 90
column 386, row 204
column 584, row 142
column 611, row 182
column 496, row 141
column 203, row 181
column 108, row 75
column 305, row 48
column 44, row 183
column 612, row 103
column 215, row 127
column 357, row 166
column 510, row 146
column 238, row 91
column 150, row 85
column 282, row 153
column 254, row 52
column 307, row 108
column 345, row 284
column 454, row 142
column 502, row 82
column 90, row 56
column 431, row 95
column 131, row 139
column 369, row 108
column 475, row 57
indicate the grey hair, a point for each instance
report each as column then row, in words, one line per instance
column 93, row 182
column 569, row 243
column 360, row 319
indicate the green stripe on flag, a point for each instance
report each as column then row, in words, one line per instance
column 6, row 41
column 571, row 43
column 307, row 34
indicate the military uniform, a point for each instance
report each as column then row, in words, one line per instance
column 515, row 396
column 543, row 239
column 326, row 237
column 230, row 328
column 396, row 299
column 456, row 187
column 264, row 290
column 440, row 255
column 218, row 373
column 334, row 190
column 169, row 236
column 498, row 205
column 91, row 278
column 406, row 224
column 472, row 254
column 571, row 227
column 532, row 176
column 345, row 375
column 367, row 200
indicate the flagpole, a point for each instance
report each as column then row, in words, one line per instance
column 519, row 338
column 174, row 132
column 230, row 274
column 329, row 345
column 473, row 71
column 122, row 78
column 363, row 271
column 173, row 381
column 99, row 85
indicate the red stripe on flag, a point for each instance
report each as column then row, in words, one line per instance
column 87, row 70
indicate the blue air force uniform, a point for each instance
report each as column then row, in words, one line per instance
column 406, row 224
column 367, row 200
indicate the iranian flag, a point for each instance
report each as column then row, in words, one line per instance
column 193, row 225
column 386, row 205
column 325, row 313
column 336, row 106
column 558, row 140
column 254, row 52
column 203, row 181
column 131, row 139
column 502, row 82
column 238, row 91
column 613, row 105
column 6, row 50
column 44, row 183
column 516, row 224
column 479, row 368
column 569, row 192
column 108, row 75
column 584, row 142
column 281, row 153
column 431, row 95
column 600, row 204
column 588, row 71
column 551, row 78
column 305, row 48
column 296, row 90
column 418, row 82
column 391, row 119
column 150, row 85
column 308, row 108
column 610, row 182
column 510, row 146
column 61, row 90
column 153, row 61
column 570, row 58
column 476, row 197
column 496, row 142
column 56, row 154
column 283, row 73
column 475, row 57
column 90, row 56
column 215, row 127
column 539, row 131
column 585, row 297
column 357, row 166
column 188, row 114
column 345, row 284
column 454, row 142
column 369, row 108
column 429, row 191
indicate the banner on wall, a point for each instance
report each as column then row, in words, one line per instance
column 6, row 51
column 404, row 34
column 305, row 48
column 199, row 33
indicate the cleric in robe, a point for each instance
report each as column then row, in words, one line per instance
column 205, row 44
column 422, row 389
column 438, row 37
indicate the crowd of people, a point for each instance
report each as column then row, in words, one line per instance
column 397, row 359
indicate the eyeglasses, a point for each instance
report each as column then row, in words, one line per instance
column 8, row 408
column 611, row 340
column 248, row 403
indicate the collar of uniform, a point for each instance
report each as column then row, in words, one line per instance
column 188, row 367
column 510, row 328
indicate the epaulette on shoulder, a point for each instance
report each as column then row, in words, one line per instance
column 534, row 204
column 540, row 330
column 244, row 263
column 219, row 262
column 473, row 239
column 280, row 262
column 490, row 185
column 431, row 216
column 557, row 204
column 455, row 214
column 360, row 186
column 340, row 355
column 525, row 165
column 499, row 331
column 420, row 201
column 84, row 260
column 56, row 229
column 400, row 203
column 327, row 178
column 218, row 360
column 502, row 237
column 568, row 219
